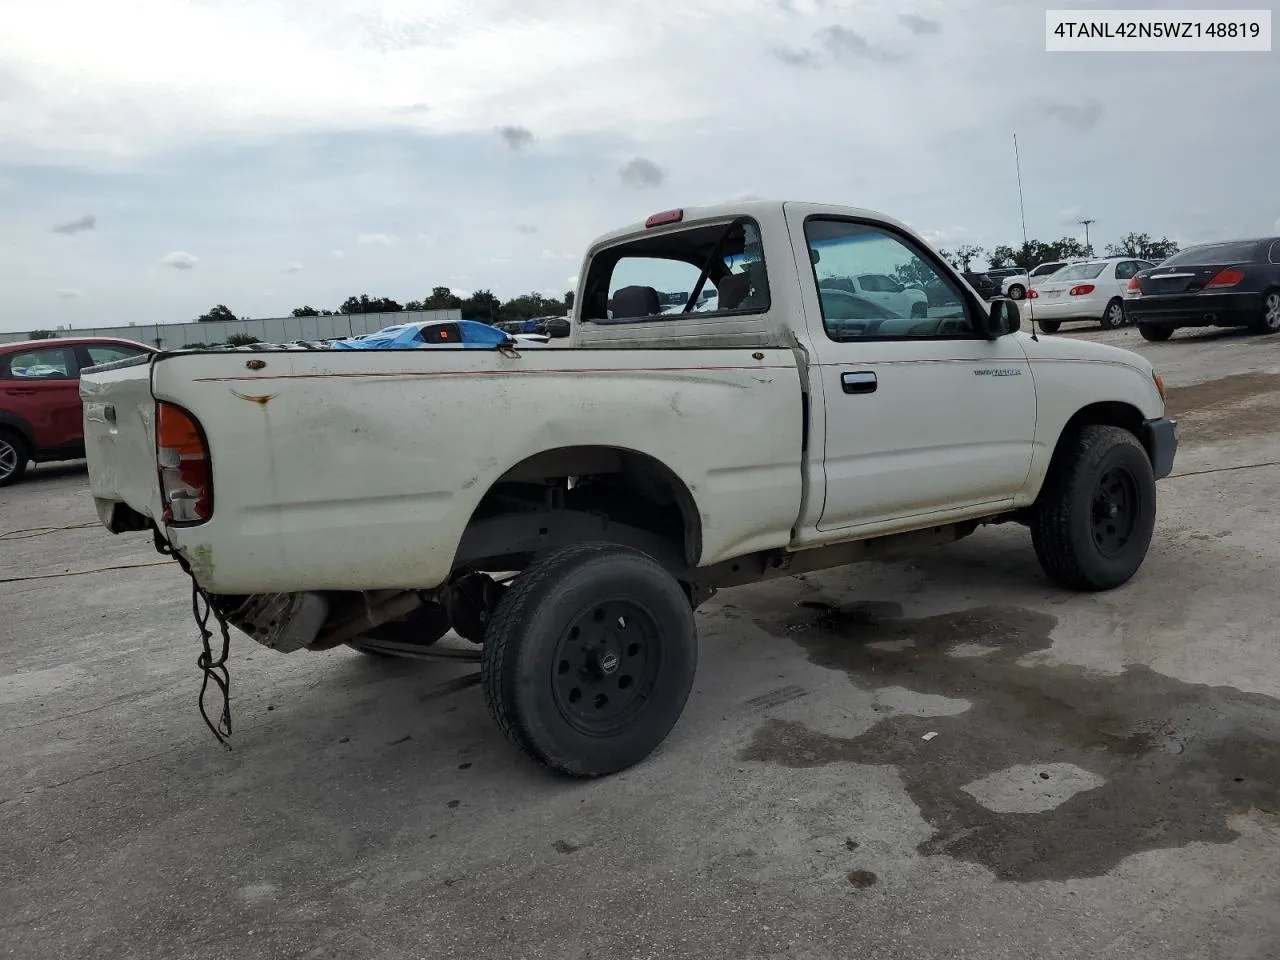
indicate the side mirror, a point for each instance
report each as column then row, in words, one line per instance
column 558, row 328
column 1004, row 318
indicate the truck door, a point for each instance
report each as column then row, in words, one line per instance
column 922, row 415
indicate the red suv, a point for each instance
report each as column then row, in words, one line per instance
column 40, row 414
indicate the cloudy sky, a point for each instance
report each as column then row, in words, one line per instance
column 161, row 156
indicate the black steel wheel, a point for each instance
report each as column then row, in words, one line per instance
column 589, row 658
column 1096, row 513
column 1115, row 510
column 1155, row 334
column 1050, row 326
column 606, row 666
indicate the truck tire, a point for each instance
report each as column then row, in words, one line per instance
column 421, row 628
column 1050, row 326
column 589, row 658
column 14, row 455
column 1153, row 333
column 1093, row 522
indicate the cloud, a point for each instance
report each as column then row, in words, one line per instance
column 515, row 137
column 180, row 260
column 1078, row 116
column 641, row 172
column 338, row 254
column 526, row 228
column 377, row 239
column 796, row 56
column 919, row 25
column 412, row 109
column 292, row 267
column 87, row 222
column 1070, row 215
column 844, row 43
column 69, row 293
column 552, row 255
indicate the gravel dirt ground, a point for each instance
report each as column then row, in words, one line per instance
column 938, row 758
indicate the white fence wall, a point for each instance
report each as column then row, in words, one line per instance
column 173, row 336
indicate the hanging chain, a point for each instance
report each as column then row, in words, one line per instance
column 213, row 668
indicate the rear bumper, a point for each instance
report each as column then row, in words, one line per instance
column 1069, row 308
column 1160, row 437
column 1195, row 309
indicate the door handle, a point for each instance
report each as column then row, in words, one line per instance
column 862, row 381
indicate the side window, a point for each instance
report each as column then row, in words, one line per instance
column 447, row 333
column 658, row 277
column 912, row 297
column 1275, row 252
column 1126, row 269
column 48, row 363
column 101, row 353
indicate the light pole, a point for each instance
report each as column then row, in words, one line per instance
column 1087, row 245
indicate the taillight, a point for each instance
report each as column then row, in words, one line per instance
column 1134, row 284
column 1225, row 278
column 1033, row 294
column 1082, row 289
column 186, row 472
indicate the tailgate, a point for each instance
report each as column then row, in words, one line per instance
column 119, row 441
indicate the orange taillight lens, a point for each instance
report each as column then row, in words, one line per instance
column 186, row 472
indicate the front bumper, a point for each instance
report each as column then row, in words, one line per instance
column 1160, row 437
column 1195, row 309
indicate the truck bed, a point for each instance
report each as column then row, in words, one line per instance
column 359, row 470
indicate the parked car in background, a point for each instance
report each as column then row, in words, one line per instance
column 986, row 287
column 1091, row 290
column 40, row 413
column 430, row 333
column 1235, row 284
column 883, row 291
column 1016, row 285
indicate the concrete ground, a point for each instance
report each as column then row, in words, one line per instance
column 941, row 758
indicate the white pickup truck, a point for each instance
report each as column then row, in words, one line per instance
column 568, row 507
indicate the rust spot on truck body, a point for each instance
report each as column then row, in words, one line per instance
column 261, row 399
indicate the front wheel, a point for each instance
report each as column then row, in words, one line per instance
column 1113, row 316
column 589, row 658
column 1017, row 292
column 1093, row 522
column 1050, row 326
column 1153, row 333
column 1269, row 319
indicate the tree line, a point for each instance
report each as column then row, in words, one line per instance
column 481, row 305
column 1141, row 246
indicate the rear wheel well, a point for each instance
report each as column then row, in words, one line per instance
column 628, row 488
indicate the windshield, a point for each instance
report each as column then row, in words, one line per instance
column 1079, row 271
column 1213, row 253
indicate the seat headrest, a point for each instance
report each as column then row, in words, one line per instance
column 632, row 302
column 732, row 290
